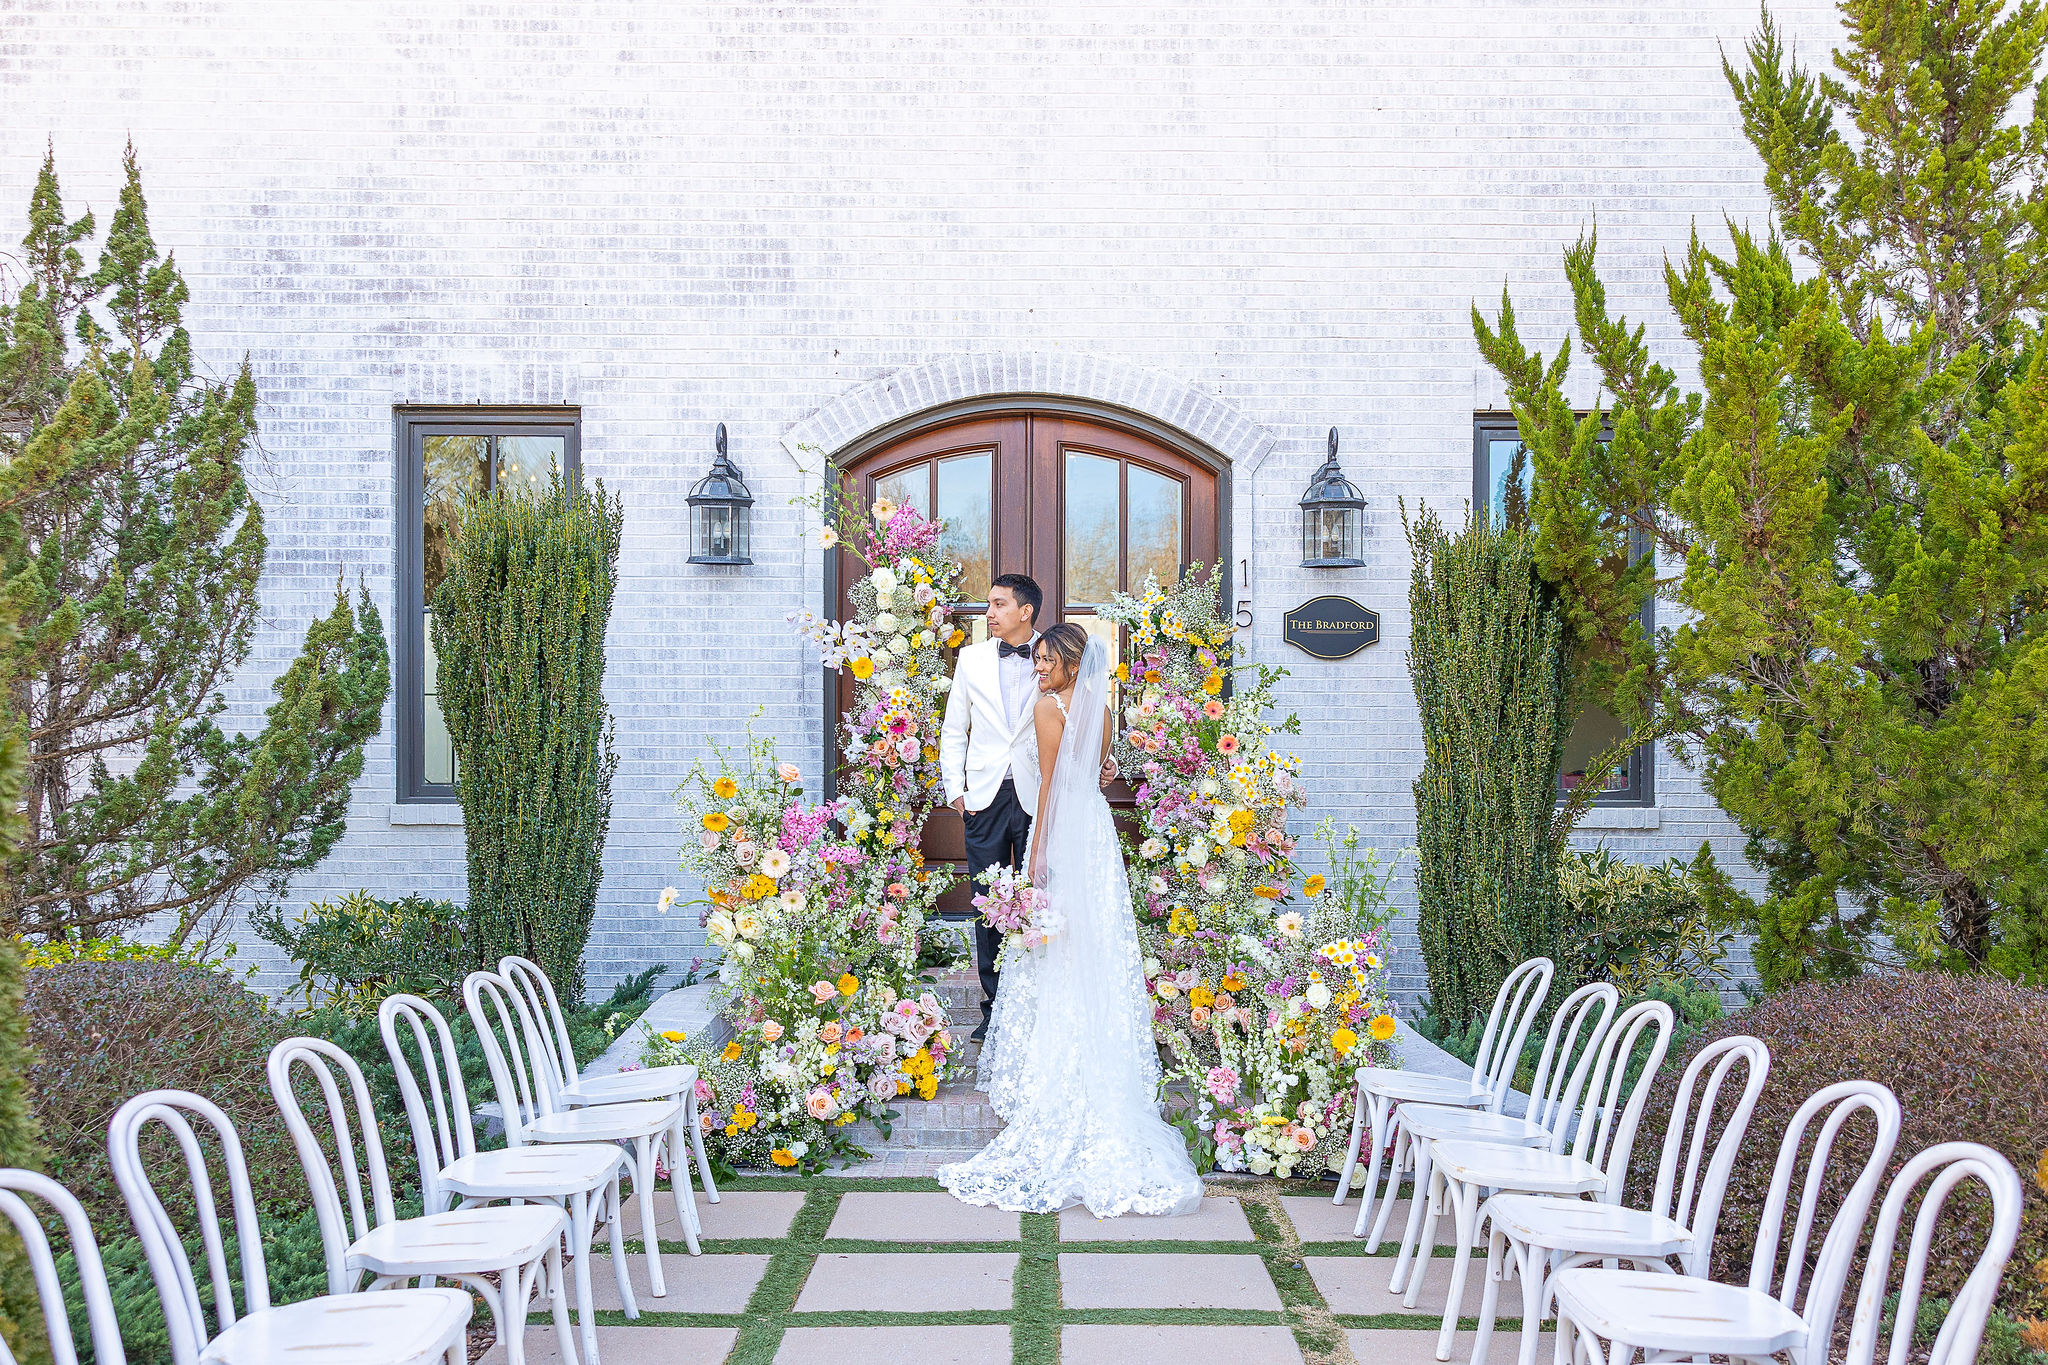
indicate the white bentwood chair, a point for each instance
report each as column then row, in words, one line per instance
column 1515, row 1007
column 85, row 1250
column 1674, row 1316
column 397, row 1327
column 1536, row 1235
column 584, row 1178
column 534, row 1114
column 1602, row 1135
column 677, row 1082
column 1569, row 1050
column 520, row 1244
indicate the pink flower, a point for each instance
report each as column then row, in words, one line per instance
column 829, row 1031
column 770, row 1031
column 882, row 1085
column 822, row 991
column 1213, row 709
column 1199, row 1017
column 704, row 1095
column 820, row 1105
column 1303, row 1139
column 898, row 891
column 788, row 772
column 1227, row 745
column 1222, row 1083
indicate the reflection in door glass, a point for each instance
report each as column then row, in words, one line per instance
column 1152, row 530
column 912, row 486
column 524, row 461
column 1093, row 516
column 964, row 508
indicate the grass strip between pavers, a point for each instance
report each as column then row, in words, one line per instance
column 1036, row 1314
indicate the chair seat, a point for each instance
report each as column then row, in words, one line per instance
column 1579, row 1225
column 1416, row 1087
column 1526, row 1169
column 535, row 1172
column 606, row 1122
column 623, row 1087
column 391, row 1327
column 1677, row 1312
column 1441, row 1124
column 466, row 1241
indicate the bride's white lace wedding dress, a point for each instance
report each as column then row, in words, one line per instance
column 1070, row 1062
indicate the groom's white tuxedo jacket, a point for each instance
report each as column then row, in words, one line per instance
column 981, row 740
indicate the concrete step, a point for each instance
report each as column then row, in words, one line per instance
column 959, row 1117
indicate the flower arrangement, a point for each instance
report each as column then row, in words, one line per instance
column 894, row 648
column 1266, row 986
column 1016, row 910
column 819, row 976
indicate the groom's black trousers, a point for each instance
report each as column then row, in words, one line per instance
column 996, row 836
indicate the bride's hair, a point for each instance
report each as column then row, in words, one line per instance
column 1066, row 642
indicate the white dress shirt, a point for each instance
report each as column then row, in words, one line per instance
column 1015, row 675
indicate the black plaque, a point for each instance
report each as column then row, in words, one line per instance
column 1332, row 627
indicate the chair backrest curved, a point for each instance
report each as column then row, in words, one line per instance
column 1823, row 1297
column 1949, row 1164
column 85, row 1250
column 1605, row 1132
column 1695, row 1201
column 170, row 1268
column 340, row 1224
column 515, row 1049
column 443, row 1128
column 1515, row 1007
column 1569, row 1049
column 541, row 1001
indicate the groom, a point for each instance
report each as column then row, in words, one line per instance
column 986, row 747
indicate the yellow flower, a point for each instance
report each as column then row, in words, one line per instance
column 1123, row 672
column 1213, row 684
column 1243, row 820
column 928, row 1088
column 731, row 1053
column 1201, row 995
column 903, row 1087
column 781, row 1157
column 1270, row 893
column 732, row 1130
column 725, row 789
column 716, row 822
column 863, row 668
column 745, row 1118
column 1182, row 921
column 1343, row 1040
column 757, row 886
column 1314, row 885
column 1233, row 982
column 848, row 984
column 953, row 641
column 675, row 1035
column 1381, row 1027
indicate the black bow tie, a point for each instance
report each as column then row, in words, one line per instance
column 1004, row 649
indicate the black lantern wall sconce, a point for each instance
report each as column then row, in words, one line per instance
column 1332, row 518
column 720, row 507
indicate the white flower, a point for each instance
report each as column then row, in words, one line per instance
column 774, row 863
column 666, row 899
column 744, row 854
column 799, row 1148
column 748, row 924
column 1198, row 854
column 1209, row 787
column 886, row 623
column 1159, row 886
column 1151, row 850
column 925, row 639
column 827, row 537
column 708, row 840
column 1317, row 995
column 922, row 594
column 1151, row 966
column 884, row 509
column 743, row 949
column 884, row 579
column 941, row 683
column 1213, row 885
column 1289, row 924
column 792, row 901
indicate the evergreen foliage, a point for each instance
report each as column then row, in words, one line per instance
column 519, row 625
column 21, row 1141
column 1486, row 655
column 1857, row 499
column 130, row 549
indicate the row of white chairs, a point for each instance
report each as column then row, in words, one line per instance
column 1547, row 1188
column 494, row 1222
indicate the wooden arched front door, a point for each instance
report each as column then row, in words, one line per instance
column 1086, row 507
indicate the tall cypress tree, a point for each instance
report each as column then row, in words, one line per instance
column 130, row 549
column 1486, row 656
column 519, row 624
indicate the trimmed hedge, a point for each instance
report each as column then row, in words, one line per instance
column 1966, row 1055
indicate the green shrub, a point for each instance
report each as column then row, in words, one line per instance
column 355, row 951
column 1963, row 1054
column 1635, row 925
column 117, row 948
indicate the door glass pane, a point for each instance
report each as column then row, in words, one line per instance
column 1093, row 518
column 524, row 461
column 437, row 749
column 1109, row 634
column 1500, row 458
column 1595, row 731
column 454, row 468
column 1152, row 532
column 912, row 486
column 964, row 508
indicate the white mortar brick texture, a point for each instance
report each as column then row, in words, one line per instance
column 1255, row 222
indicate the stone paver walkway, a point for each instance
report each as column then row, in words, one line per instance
column 866, row 1270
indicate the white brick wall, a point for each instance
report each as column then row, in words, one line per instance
column 1254, row 221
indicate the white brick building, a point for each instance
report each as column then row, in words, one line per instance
column 1231, row 226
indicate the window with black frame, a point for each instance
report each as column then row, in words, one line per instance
column 445, row 457
column 1495, row 442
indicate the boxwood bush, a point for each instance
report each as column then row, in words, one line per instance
column 1967, row 1057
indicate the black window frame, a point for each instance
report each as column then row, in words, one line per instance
column 1641, row 765
column 411, row 424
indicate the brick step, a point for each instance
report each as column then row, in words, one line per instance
column 960, row 1117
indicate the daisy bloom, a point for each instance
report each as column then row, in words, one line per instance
column 774, row 863
column 1289, row 924
column 1227, row 745
column 675, row 1035
column 666, row 899
column 848, row 984
column 716, row 822
column 862, row 668
column 731, row 1053
column 792, row 901
column 781, row 1156
column 884, row 509
column 1382, row 1027
column 725, row 789
column 1314, row 885
column 1213, row 709
column 827, row 537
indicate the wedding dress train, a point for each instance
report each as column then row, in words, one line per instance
column 1070, row 1063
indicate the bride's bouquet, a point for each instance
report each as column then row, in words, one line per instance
column 1016, row 909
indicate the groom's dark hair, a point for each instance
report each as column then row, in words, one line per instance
column 1025, row 589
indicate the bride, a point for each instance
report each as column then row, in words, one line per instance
column 1070, row 1063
